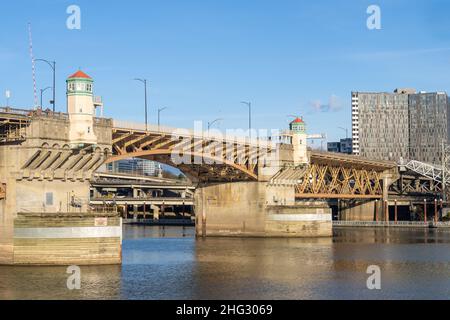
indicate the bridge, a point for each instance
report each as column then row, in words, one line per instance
column 202, row 156
column 261, row 187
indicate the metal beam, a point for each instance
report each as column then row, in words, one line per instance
column 335, row 196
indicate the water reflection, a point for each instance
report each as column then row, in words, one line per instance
column 169, row 263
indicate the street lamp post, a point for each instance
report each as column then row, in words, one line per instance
column 144, row 81
column 159, row 116
column 346, row 131
column 249, row 105
column 212, row 122
column 42, row 92
column 52, row 65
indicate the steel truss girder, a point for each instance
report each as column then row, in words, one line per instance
column 322, row 180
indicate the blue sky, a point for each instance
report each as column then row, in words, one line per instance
column 203, row 57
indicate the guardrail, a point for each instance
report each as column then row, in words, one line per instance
column 23, row 112
column 410, row 224
column 160, row 222
column 260, row 141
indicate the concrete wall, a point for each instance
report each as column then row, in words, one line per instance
column 360, row 211
column 81, row 239
column 249, row 209
column 29, row 191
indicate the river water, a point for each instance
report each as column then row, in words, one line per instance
column 169, row 263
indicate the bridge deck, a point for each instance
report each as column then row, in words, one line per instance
column 356, row 162
column 168, row 201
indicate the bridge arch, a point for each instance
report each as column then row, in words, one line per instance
column 211, row 164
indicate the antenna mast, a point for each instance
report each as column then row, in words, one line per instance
column 33, row 66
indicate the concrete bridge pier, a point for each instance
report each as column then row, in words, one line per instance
column 362, row 210
column 155, row 212
column 257, row 209
column 370, row 209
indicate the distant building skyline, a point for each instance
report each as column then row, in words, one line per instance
column 343, row 146
column 135, row 166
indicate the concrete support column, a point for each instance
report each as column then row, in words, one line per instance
column 248, row 209
column 396, row 212
column 155, row 212
column 203, row 213
column 135, row 212
column 436, row 217
column 144, row 210
column 389, row 178
column 425, row 211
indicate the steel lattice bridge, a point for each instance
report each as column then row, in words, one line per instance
column 437, row 173
column 337, row 176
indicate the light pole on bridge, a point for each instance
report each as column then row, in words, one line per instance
column 346, row 131
column 212, row 122
column 144, row 81
column 52, row 65
column 249, row 105
column 159, row 116
column 42, row 92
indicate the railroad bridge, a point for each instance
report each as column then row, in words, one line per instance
column 261, row 187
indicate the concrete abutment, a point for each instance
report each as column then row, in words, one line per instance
column 257, row 209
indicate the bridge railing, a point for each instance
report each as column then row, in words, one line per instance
column 420, row 224
column 261, row 141
column 23, row 112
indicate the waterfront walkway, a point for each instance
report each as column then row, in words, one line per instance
column 160, row 222
column 398, row 224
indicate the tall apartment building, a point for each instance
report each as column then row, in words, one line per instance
column 380, row 125
column 403, row 124
column 429, row 124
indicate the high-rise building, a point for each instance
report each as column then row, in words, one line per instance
column 380, row 125
column 428, row 126
column 403, row 124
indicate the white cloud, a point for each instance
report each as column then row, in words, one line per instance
column 334, row 105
